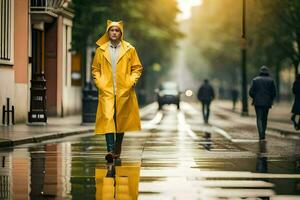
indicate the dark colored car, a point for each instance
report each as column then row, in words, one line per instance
column 168, row 93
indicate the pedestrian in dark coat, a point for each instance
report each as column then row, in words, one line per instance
column 234, row 97
column 263, row 92
column 296, row 105
column 206, row 94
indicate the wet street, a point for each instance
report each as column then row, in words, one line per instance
column 176, row 156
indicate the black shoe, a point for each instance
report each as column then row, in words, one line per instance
column 109, row 157
column 293, row 118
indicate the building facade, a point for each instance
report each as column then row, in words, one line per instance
column 35, row 38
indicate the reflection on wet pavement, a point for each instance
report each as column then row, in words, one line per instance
column 206, row 143
column 262, row 160
column 123, row 187
column 172, row 158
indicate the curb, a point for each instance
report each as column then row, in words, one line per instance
column 270, row 127
column 48, row 136
column 286, row 121
column 60, row 134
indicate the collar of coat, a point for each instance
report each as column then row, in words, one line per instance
column 125, row 46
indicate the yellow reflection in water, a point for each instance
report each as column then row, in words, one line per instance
column 123, row 187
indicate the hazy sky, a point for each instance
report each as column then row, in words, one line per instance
column 185, row 7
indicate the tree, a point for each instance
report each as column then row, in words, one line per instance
column 287, row 36
column 215, row 35
column 273, row 31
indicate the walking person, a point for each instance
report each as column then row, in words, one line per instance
column 296, row 105
column 206, row 94
column 116, row 69
column 234, row 97
column 262, row 92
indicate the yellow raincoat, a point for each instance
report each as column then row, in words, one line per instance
column 128, row 71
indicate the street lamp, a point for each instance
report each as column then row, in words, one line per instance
column 243, row 62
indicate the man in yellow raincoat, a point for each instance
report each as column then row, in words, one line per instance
column 116, row 69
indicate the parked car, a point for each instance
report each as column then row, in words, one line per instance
column 168, row 93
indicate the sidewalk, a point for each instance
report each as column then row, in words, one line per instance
column 56, row 127
column 278, row 120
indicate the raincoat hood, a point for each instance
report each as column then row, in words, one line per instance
column 105, row 37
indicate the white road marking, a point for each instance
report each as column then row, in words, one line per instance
column 153, row 122
column 183, row 126
column 216, row 129
column 147, row 109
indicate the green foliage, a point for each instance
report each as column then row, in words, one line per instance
column 275, row 32
column 215, row 34
column 273, row 36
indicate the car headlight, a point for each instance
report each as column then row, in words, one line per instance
column 188, row 93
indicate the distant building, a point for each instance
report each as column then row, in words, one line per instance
column 36, row 37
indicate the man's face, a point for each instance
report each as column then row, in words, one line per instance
column 114, row 33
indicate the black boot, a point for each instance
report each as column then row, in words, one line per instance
column 109, row 157
column 293, row 118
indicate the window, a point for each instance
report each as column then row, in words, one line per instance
column 6, row 34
